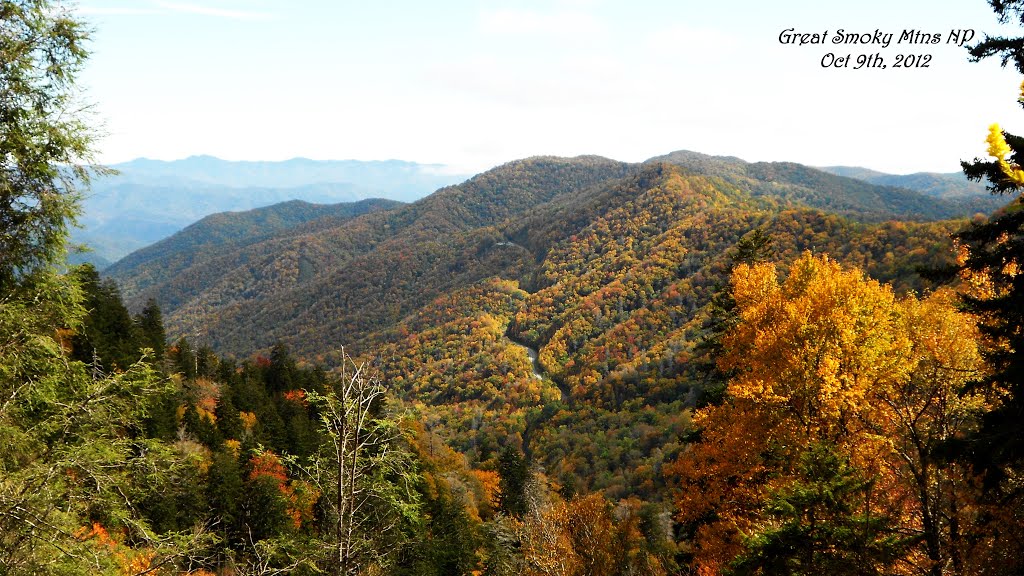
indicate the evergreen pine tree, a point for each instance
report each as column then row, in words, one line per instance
column 994, row 249
column 225, row 495
column 513, row 472
column 992, row 252
column 150, row 324
column 108, row 334
column 819, row 525
column 754, row 248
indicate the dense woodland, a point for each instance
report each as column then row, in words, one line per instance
column 742, row 369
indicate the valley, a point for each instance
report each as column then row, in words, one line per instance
column 602, row 272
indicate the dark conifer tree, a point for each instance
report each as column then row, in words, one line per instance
column 161, row 421
column 280, row 375
column 228, row 422
column 207, row 363
column 264, row 510
column 820, row 525
column 752, row 249
column 184, row 359
column 447, row 544
column 108, row 336
column 995, row 251
column 225, row 494
column 513, row 472
column 150, row 326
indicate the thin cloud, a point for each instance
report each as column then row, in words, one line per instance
column 516, row 22
column 158, row 8
column 216, row 12
column 102, row 11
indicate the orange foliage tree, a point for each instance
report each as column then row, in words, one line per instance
column 828, row 357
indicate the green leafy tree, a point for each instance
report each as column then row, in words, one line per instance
column 45, row 144
column 74, row 462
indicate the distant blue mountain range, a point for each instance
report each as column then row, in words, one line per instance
column 151, row 199
column 939, row 185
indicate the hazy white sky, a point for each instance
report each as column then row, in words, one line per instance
column 475, row 83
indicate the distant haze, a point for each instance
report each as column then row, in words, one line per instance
column 151, row 199
column 949, row 185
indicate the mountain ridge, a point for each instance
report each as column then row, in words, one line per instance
column 236, row 230
column 151, row 199
column 305, row 265
column 878, row 201
column 938, row 184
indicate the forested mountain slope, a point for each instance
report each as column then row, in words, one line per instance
column 310, row 283
column 317, row 284
column 608, row 269
column 227, row 232
column 616, row 302
column 858, row 196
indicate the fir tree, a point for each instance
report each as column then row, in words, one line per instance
column 150, row 325
column 991, row 253
column 819, row 525
column 514, row 473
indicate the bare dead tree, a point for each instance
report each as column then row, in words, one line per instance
column 361, row 468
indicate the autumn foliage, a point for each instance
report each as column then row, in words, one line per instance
column 828, row 358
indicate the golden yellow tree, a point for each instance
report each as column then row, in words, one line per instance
column 813, row 346
column 827, row 357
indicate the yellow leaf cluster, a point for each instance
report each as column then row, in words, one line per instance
column 815, row 344
column 234, row 446
column 998, row 149
column 248, row 421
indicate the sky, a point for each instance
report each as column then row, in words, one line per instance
column 476, row 83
